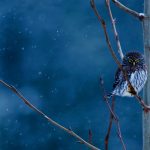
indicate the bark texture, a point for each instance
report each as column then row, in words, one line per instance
column 146, row 116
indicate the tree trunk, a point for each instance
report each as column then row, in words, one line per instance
column 146, row 116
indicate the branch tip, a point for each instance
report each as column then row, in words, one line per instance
column 54, row 123
column 140, row 16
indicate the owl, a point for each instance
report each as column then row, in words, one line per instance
column 134, row 65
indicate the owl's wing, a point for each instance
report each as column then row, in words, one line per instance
column 119, row 77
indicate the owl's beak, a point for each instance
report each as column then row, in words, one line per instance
column 133, row 63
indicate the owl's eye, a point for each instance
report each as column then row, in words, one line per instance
column 137, row 60
column 130, row 60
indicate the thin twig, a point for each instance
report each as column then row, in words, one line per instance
column 140, row 16
column 146, row 108
column 110, row 125
column 131, row 89
column 102, row 21
column 115, row 30
column 113, row 114
column 90, row 136
column 30, row 105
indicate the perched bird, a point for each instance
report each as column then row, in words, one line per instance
column 134, row 65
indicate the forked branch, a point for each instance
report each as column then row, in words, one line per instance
column 140, row 16
column 113, row 117
column 102, row 22
column 110, row 125
column 131, row 89
column 30, row 105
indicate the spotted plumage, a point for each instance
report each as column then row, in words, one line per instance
column 134, row 65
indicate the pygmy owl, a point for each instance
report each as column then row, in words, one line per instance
column 134, row 65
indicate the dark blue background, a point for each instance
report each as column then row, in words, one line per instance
column 54, row 52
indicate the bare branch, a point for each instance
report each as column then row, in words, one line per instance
column 146, row 108
column 140, row 16
column 102, row 22
column 114, row 116
column 30, row 105
column 110, row 125
column 115, row 30
column 131, row 89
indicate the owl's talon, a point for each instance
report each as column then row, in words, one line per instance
column 131, row 90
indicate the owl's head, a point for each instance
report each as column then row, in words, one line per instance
column 133, row 59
